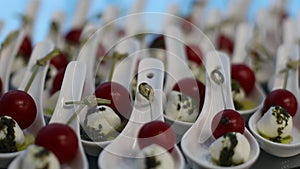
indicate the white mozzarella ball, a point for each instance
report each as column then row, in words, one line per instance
column 181, row 107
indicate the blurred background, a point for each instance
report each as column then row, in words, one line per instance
column 10, row 11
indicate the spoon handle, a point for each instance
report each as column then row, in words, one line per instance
column 151, row 72
column 80, row 13
column 177, row 65
column 285, row 53
column 125, row 70
column 71, row 90
column 88, row 55
column 218, row 82
column 244, row 33
column 37, row 87
column 7, row 57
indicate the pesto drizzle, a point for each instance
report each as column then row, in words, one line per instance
column 226, row 154
column 8, row 144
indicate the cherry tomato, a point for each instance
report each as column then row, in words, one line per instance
column 59, row 61
column 227, row 121
column 59, row 139
column 244, row 75
column 225, row 43
column 57, row 81
column 156, row 132
column 119, row 96
column 283, row 98
column 73, row 36
column 25, row 48
column 20, row 106
column 194, row 54
column 193, row 88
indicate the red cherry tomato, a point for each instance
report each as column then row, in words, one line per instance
column 227, row 121
column 59, row 139
column 59, row 61
column 157, row 132
column 225, row 43
column 73, row 36
column 244, row 75
column 283, row 98
column 20, row 106
column 194, row 54
column 193, row 88
column 57, row 81
column 119, row 96
column 25, row 48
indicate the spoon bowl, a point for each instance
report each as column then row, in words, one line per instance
column 36, row 91
column 243, row 37
column 123, row 74
column 8, row 55
column 176, row 58
column 285, row 52
column 123, row 151
column 75, row 72
column 198, row 138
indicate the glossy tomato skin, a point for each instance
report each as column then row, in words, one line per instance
column 25, row 48
column 59, row 61
column 225, row 43
column 57, row 81
column 118, row 95
column 244, row 75
column 157, row 132
column 283, row 98
column 59, row 139
column 20, row 106
column 193, row 88
column 73, row 36
column 194, row 53
column 227, row 120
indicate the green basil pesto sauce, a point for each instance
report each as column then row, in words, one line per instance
column 8, row 144
column 152, row 162
column 227, row 153
column 282, row 117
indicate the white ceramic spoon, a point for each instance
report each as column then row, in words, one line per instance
column 285, row 52
column 71, row 90
column 196, row 141
column 36, row 91
column 123, row 151
column 8, row 55
column 31, row 12
column 55, row 32
column 176, row 69
column 244, row 33
column 80, row 13
column 124, row 73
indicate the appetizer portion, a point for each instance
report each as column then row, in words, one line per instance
column 276, row 125
column 39, row 157
column 101, row 124
column 181, row 107
column 155, row 157
column 231, row 149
